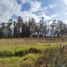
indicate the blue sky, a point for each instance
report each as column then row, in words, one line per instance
column 49, row 9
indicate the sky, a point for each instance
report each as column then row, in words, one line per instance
column 49, row 9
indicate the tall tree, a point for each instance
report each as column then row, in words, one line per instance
column 3, row 30
column 53, row 28
column 41, row 23
column 31, row 25
column 19, row 25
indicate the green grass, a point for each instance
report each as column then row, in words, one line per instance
column 15, row 52
column 20, row 47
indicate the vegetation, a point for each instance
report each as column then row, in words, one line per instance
column 44, row 44
column 33, row 52
column 30, row 28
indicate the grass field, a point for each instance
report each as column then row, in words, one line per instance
column 26, row 52
column 13, row 44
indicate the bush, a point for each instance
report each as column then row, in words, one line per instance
column 20, row 53
column 6, row 54
column 34, row 50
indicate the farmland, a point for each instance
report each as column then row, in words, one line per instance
column 33, row 52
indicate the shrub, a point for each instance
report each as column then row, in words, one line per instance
column 34, row 50
column 19, row 53
column 6, row 54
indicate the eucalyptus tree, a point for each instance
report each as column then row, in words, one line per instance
column 43, row 27
column 8, row 29
column 15, row 29
column 3, row 30
column 19, row 25
column 22, row 28
column 61, row 27
column 31, row 25
column 44, row 30
column 36, row 30
column 53, row 28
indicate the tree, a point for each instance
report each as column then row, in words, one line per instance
column 8, row 29
column 61, row 27
column 19, row 25
column 43, row 27
column 31, row 25
column 53, row 28
column 3, row 30
column 15, row 29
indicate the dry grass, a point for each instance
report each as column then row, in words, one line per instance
column 13, row 44
column 26, row 43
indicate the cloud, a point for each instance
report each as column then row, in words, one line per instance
column 12, row 8
column 9, row 8
column 65, row 13
column 64, row 2
column 35, row 6
column 45, row 16
column 22, row 1
column 52, row 6
column 65, row 21
column 53, row 16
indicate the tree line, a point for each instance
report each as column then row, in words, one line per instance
column 21, row 28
